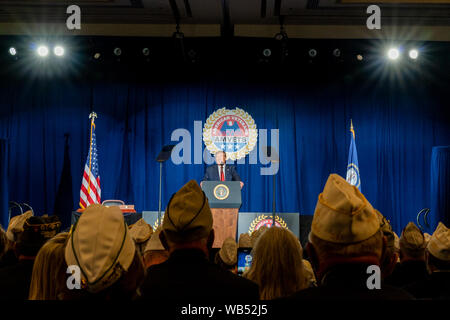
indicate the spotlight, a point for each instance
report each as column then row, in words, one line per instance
column 267, row 52
column 146, row 51
column 12, row 51
column 117, row 51
column 42, row 51
column 97, row 56
column 359, row 57
column 337, row 53
column 58, row 51
column 413, row 54
column 393, row 54
column 312, row 53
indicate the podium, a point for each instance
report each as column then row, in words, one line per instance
column 224, row 199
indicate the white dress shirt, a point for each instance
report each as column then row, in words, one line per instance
column 218, row 168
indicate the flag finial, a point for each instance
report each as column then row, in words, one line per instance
column 351, row 128
column 92, row 115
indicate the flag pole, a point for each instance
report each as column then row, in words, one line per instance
column 92, row 116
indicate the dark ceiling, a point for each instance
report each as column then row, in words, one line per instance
column 227, row 17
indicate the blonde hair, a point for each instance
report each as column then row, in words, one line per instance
column 277, row 265
column 49, row 270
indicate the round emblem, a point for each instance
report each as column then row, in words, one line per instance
column 266, row 220
column 233, row 131
column 221, row 192
column 353, row 175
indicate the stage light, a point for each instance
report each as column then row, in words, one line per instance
column 359, row 57
column 281, row 36
column 267, row 52
column 97, row 55
column 337, row 53
column 58, row 51
column 146, row 51
column 42, row 51
column 393, row 54
column 117, row 51
column 12, row 51
column 413, row 54
column 312, row 53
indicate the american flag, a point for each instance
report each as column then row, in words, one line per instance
column 90, row 184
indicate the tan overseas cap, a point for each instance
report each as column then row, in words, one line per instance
column 101, row 246
column 16, row 225
column 228, row 252
column 245, row 241
column 439, row 244
column 188, row 216
column 140, row 231
column 412, row 238
column 154, row 244
column 342, row 214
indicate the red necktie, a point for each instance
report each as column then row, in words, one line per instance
column 222, row 178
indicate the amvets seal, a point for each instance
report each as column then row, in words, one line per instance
column 233, row 131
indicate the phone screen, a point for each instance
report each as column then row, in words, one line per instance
column 244, row 260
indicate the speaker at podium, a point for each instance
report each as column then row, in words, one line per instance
column 224, row 199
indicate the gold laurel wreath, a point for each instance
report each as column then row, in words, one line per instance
column 157, row 224
column 255, row 222
column 261, row 217
column 253, row 133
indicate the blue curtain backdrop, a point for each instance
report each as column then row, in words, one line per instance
column 440, row 186
column 4, row 183
column 396, row 127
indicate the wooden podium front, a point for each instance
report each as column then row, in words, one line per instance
column 224, row 199
column 224, row 224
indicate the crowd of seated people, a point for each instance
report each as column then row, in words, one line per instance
column 352, row 253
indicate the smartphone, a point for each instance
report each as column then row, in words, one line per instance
column 244, row 260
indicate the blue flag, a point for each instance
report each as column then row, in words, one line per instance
column 353, row 168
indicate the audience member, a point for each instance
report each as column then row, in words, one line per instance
column 412, row 266
column 15, row 279
column 15, row 227
column 188, row 236
column 226, row 257
column 277, row 265
column 345, row 240
column 437, row 254
column 140, row 232
column 154, row 252
column 101, row 246
column 390, row 257
column 245, row 241
column 3, row 243
column 49, row 275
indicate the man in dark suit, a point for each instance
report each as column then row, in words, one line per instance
column 188, row 274
column 221, row 171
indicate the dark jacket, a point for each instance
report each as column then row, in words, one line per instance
column 8, row 259
column 15, row 280
column 349, row 282
column 407, row 272
column 188, row 275
column 435, row 287
column 212, row 173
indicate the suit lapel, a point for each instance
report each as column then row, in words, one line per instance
column 216, row 172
